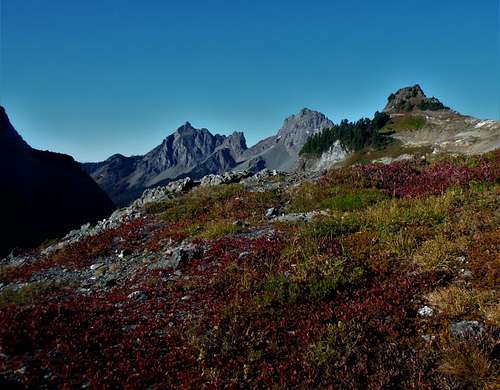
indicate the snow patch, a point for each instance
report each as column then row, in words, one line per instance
column 484, row 123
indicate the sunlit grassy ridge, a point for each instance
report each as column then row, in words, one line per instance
column 405, row 122
column 329, row 303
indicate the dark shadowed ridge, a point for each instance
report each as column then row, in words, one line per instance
column 45, row 194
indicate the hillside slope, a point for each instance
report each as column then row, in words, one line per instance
column 281, row 151
column 419, row 121
column 373, row 276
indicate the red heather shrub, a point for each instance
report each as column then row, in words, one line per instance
column 105, row 341
column 174, row 231
column 220, row 336
column 110, row 340
column 484, row 259
column 405, row 179
column 375, row 341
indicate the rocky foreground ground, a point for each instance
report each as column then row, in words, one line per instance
column 373, row 276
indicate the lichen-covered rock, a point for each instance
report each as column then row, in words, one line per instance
column 225, row 178
column 425, row 311
column 173, row 258
column 298, row 217
column 157, row 194
column 465, row 328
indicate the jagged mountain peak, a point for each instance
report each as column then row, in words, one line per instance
column 298, row 127
column 236, row 143
column 186, row 151
column 187, row 129
column 238, row 137
column 306, row 111
column 303, row 120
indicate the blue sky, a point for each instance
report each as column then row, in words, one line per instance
column 97, row 77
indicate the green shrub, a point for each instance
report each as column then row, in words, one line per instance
column 332, row 227
column 26, row 294
column 333, row 275
column 194, row 202
column 219, row 229
column 353, row 200
column 280, row 290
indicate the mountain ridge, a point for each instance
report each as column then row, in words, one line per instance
column 196, row 152
column 189, row 151
column 125, row 178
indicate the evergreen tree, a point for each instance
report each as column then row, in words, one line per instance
column 352, row 135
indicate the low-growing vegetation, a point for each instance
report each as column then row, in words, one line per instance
column 335, row 302
column 404, row 123
column 28, row 293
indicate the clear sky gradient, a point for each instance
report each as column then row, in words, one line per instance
column 97, row 77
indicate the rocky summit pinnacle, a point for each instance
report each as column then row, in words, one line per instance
column 411, row 99
column 185, row 128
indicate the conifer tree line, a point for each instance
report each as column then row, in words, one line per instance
column 352, row 135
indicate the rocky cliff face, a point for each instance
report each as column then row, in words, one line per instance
column 45, row 194
column 188, row 151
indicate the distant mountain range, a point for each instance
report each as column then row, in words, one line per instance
column 186, row 152
column 44, row 194
column 197, row 152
